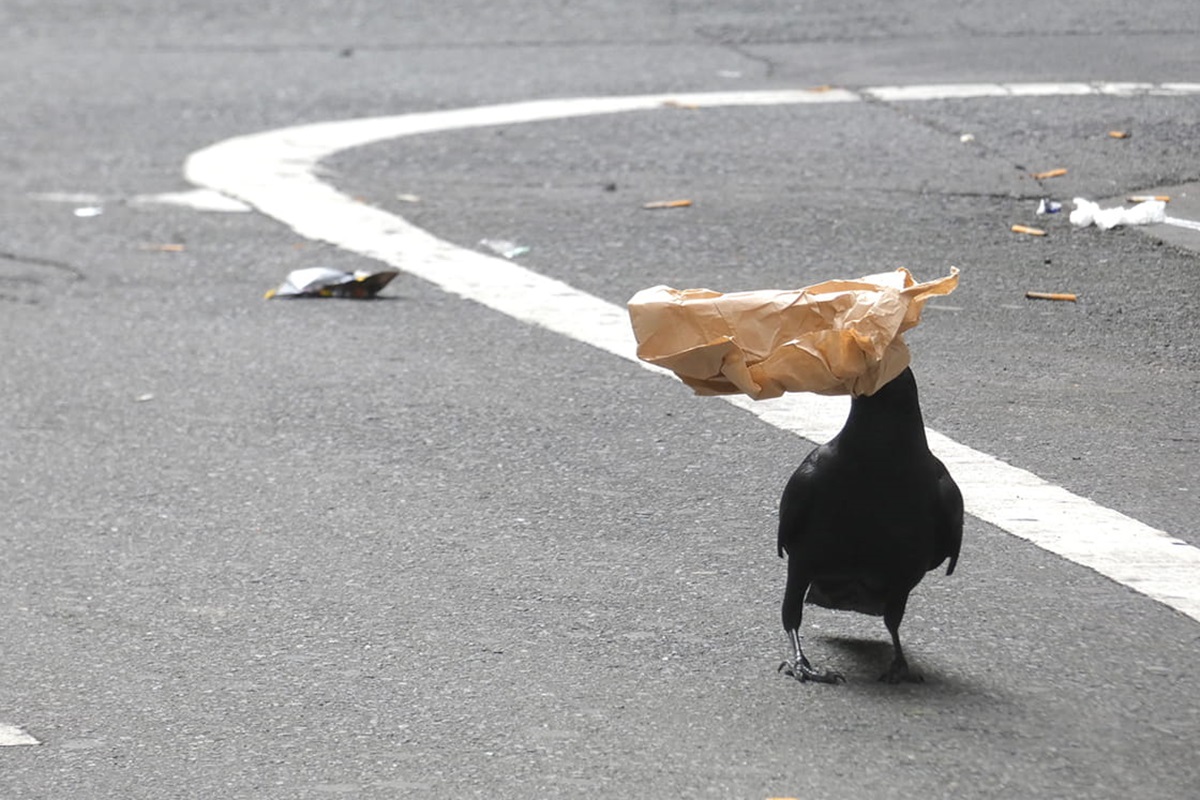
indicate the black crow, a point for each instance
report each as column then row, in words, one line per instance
column 864, row 518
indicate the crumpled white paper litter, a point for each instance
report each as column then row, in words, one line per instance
column 1145, row 213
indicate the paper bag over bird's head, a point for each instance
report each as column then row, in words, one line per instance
column 837, row 337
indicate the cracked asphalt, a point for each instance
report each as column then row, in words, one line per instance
column 413, row 548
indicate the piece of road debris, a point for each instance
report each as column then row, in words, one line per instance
column 1118, row 134
column 1027, row 230
column 1088, row 213
column 667, row 204
column 1142, row 198
column 329, row 282
column 1065, row 297
column 1050, row 173
column 770, row 341
column 504, row 248
column 170, row 247
column 680, row 104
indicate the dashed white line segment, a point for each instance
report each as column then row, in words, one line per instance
column 12, row 736
column 276, row 172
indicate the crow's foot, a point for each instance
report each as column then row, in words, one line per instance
column 802, row 671
column 899, row 672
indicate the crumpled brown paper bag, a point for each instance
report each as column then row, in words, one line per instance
column 837, row 337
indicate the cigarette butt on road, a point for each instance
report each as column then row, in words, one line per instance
column 825, row 87
column 1141, row 198
column 164, row 248
column 1118, row 134
column 1050, row 173
column 679, row 104
column 1027, row 230
column 668, row 204
column 1064, row 297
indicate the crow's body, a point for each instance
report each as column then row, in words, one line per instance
column 864, row 517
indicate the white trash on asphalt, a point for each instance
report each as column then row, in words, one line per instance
column 1145, row 213
column 504, row 248
column 1048, row 206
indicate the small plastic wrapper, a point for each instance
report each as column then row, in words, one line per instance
column 329, row 282
column 1145, row 213
column 504, row 248
column 836, row 337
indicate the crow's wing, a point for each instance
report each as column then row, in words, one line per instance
column 948, row 526
column 798, row 496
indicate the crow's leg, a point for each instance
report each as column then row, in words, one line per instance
column 799, row 667
column 898, row 672
column 793, row 610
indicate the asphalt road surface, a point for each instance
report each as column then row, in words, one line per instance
column 415, row 547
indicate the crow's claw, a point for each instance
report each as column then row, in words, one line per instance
column 803, row 671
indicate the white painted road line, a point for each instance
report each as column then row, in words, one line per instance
column 12, row 736
column 1183, row 223
column 968, row 91
column 199, row 199
column 276, row 172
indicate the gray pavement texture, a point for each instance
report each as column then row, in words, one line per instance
column 413, row 548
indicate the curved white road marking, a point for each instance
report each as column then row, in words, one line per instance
column 277, row 173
